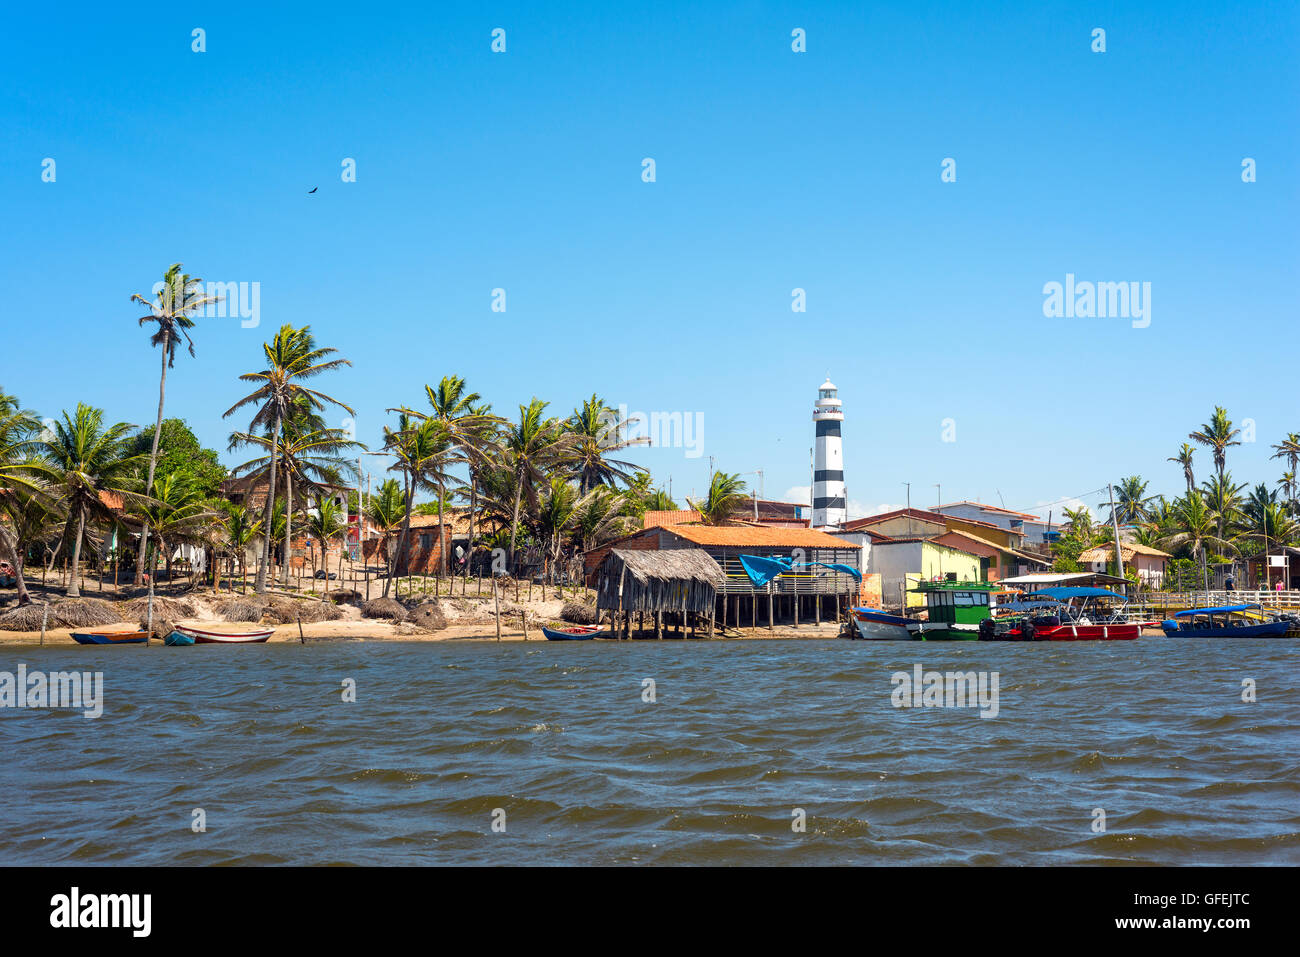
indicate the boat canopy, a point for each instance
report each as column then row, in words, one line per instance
column 1062, row 593
column 1027, row 605
column 1225, row 609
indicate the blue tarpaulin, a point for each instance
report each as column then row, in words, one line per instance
column 762, row 570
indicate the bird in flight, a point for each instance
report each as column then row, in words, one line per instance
column 313, row 189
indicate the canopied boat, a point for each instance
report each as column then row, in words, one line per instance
column 1226, row 621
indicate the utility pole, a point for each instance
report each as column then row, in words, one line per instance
column 939, row 497
column 909, row 508
column 1114, row 522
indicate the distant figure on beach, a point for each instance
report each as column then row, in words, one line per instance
column 1228, row 583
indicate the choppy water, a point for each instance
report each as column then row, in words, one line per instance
column 556, row 734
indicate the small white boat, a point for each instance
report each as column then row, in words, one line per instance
column 207, row 636
column 877, row 625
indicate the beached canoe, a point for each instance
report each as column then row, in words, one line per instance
column 109, row 637
column 204, row 636
column 576, row 633
column 177, row 639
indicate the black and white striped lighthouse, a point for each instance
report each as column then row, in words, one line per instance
column 830, row 508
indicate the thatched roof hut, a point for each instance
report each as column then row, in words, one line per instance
column 674, row 580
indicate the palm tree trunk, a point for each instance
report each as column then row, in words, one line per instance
column 74, row 582
column 514, row 519
column 402, row 550
column 473, row 502
column 267, row 530
column 9, row 552
column 442, row 550
column 288, row 525
column 153, row 461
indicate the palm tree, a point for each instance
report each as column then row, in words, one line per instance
column 1287, row 484
column 1184, row 458
column 1196, row 525
column 1289, row 449
column 23, row 495
column 660, row 502
column 556, row 509
column 1079, row 521
column 177, row 512
column 291, row 358
column 385, row 510
column 597, row 431
column 311, row 455
column 468, row 432
column 418, row 450
column 180, row 296
column 240, row 529
column 533, row 446
column 1223, row 497
column 598, row 518
column 86, row 460
column 1217, row 434
column 726, row 496
column 1131, row 508
column 325, row 523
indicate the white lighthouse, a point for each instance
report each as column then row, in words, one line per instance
column 829, row 505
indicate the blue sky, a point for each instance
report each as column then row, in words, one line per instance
column 774, row 170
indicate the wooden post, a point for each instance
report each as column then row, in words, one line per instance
column 302, row 639
column 148, row 628
column 770, row 626
column 523, row 616
column 496, row 603
column 817, row 609
column 659, row 626
column 45, row 617
column 796, row 610
column 753, row 612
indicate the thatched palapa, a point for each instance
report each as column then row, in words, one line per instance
column 673, row 580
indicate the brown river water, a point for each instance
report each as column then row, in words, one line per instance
column 554, row 744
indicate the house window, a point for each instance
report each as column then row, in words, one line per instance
column 426, row 540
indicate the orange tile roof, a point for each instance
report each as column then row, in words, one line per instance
column 112, row 500
column 658, row 519
column 757, row 536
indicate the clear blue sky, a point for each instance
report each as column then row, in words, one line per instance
column 775, row 170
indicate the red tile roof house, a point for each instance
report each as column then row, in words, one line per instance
column 809, row 594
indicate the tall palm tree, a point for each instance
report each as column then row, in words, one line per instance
column 292, row 357
column 726, row 496
column 1079, row 520
column 1196, row 526
column 178, row 299
column 1132, row 500
column 534, row 445
column 598, row 431
column 598, row 518
column 556, row 509
column 1287, row 484
column 1184, row 458
column 23, row 485
column 88, row 459
column 1217, row 435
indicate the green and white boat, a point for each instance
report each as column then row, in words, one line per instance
column 955, row 608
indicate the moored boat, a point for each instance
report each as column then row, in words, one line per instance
column 110, row 637
column 1226, row 621
column 576, row 633
column 877, row 625
column 206, row 636
column 177, row 639
column 954, row 609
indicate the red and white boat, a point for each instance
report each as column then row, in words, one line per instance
column 207, row 636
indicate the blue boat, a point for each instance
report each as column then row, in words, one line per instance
column 176, row 638
column 1226, row 621
column 109, row 637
